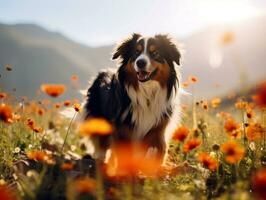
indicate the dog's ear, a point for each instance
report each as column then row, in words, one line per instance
column 123, row 50
column 172, row 53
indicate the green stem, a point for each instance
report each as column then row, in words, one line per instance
column 68, row 130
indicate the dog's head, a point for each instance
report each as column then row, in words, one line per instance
column 148, row 58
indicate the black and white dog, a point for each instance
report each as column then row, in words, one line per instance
column 141, row 97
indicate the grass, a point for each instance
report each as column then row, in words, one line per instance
column 62, row 169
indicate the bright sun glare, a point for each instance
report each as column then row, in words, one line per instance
column 226, row 11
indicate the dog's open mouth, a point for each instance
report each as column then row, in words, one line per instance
column 144, row 76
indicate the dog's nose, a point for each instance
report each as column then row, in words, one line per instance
column 141, row 63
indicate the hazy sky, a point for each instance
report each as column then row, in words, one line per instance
column 99, row 22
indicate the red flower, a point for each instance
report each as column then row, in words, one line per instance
column 259, row 184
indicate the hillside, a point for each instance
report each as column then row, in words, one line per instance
column 39, row 56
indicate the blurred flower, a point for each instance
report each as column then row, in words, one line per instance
column 236, row 134
column 37, row 129
column 3, row 95
column 240, row 104
column 6, row 113
column 216, row 147
column 205, row 105
column 227, row 38
column 231, row 125
column 233, row 152
column 185, row 84
column 40, row 156
column 40, row 111
column 193, row 79
column 132, row 159
column 96, row 126
column 67, row 103
column 260, row 97
column 208, row 161
column 191, row 144
column 17, row 150
column 259, row 184
column 180, row 134
column 8, row 67
column 254, row 131
column 215, row 102
column 67, row 166
column 6, row 193
column 250, row 113
column 85, row 185
column 57, row 105
column 74, row 77
column 77, row 107
column 30, row 123
column 53, row 90
column 16, row 117
column 223, row 115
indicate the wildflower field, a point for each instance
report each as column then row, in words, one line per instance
column 217, row 152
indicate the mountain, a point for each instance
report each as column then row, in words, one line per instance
column 41, row 56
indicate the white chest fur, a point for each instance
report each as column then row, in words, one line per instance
column 148, row 104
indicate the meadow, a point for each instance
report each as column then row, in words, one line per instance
column 218, row 151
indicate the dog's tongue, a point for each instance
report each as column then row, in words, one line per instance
column 142, row 75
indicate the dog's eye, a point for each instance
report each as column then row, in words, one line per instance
column 155, row 53
column 137, row 52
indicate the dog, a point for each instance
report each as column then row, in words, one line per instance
column 141, row 97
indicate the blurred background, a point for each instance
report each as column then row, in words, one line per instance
column 223, row 41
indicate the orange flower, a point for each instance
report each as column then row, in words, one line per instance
column 67, row 166
column 57, row 105
column 240, row 104
column 216, row 102
column 85, row 185
column 250, row 113
column 40, row 156
column 230, row 125
column 67, row 103
column 3, row 95
column 208, row 161
column 223, row 115
column 235, row 134
column 193, row 79
column 77, row 107
column 74, row 77
column 37, row 129
column 233, row 152
column 6, row 113
column 40, row 111
column 96, row 126
column 30, row 122
column 259, row 184
column 131, row 159
column 180, row 134
column 260, row 97
column 6, row 193
column 191, row 144
column 53, row 90
column 227, row 38
column 254, row 131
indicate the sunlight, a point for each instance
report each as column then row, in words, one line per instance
column 226, row 11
